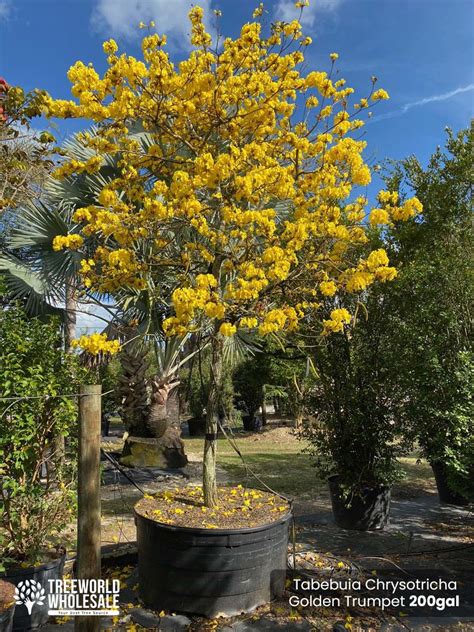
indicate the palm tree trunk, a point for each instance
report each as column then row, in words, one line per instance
column 133, row 390
column 210, row 444
column 71, row 316
column 157, row 420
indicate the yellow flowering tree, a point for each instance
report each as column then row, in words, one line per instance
column 246, row 194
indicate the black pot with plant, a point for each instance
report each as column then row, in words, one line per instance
column 212, row 561
column 356, row 439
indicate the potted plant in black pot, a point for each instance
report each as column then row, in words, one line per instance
column 443, row 424
column 356, row 440
column 450, row 448
column 36, row 491
column 432, row 301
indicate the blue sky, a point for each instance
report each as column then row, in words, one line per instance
column 421, row 50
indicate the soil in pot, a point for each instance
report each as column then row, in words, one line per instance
column 221, row 561
column 446, row 494
column 7, row 605
column 367, row 509
column 52, row 569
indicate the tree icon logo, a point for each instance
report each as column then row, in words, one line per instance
column 29, row 592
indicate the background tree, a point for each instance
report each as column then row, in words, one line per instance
column 239, row 194
column 433, row 302
column 404, row 372
column 25, row 162
column 26, row 155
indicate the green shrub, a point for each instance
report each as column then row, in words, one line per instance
column 37, row 490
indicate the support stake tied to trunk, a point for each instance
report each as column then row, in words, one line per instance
column 88, row 518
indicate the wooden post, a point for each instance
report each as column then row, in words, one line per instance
column 88, row 516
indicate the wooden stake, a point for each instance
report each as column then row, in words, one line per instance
column 88, row 517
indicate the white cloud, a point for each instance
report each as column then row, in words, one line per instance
column 5, row 9
column 286, row 10
column 432, row 99
column 121, row 18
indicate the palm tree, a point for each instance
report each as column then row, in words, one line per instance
column 55, row 273
column 43, row 277
column 48, row 277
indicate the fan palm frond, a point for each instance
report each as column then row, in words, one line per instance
column 25, row 285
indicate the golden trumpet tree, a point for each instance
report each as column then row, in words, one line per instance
column 245, row 195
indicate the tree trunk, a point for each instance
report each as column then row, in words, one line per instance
column 70, row 320
column 133, row 390
column 71, row 316
column 158, row 410
column 210, row 444
column 264, row 406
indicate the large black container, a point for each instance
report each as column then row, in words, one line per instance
column 446, row 495
column 22, row 621
column 211, row 571
column 368, row 509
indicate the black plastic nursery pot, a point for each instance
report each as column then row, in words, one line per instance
column 197, row 426
column 211, row 572
column 22, row 620
column 251, row 423
column 446, row 495
column 368, row 509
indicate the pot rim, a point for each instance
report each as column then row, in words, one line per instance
column 203, row 531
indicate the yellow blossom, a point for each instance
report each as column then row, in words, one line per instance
column 227, row 329
column 378, row 216
column 377, row 258
column 328, row 288
column 338, row 318
column 97, row 343
column 72, row 242
column 380, row 95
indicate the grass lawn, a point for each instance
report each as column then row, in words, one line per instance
column 276, row 457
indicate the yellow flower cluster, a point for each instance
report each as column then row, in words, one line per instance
column 339, row 318
column 91, row 165
column 263, row 197
column 97, row 343
column 227, row 329
column 71, row 242
column 375, row 267
column 392, row 209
